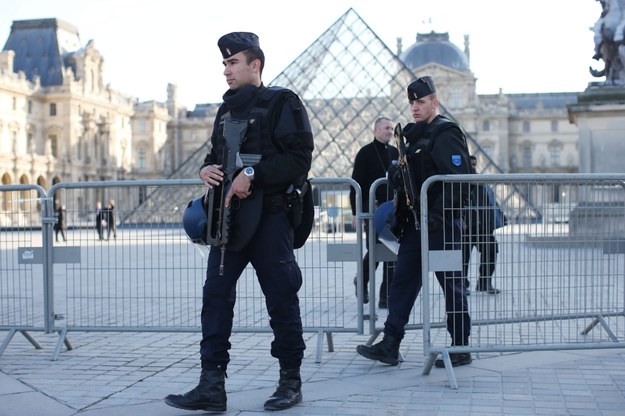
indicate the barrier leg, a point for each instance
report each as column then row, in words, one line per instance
column 7, row 339
column 453, row 383
column 62, row 340
column 31, row 340
column 330, row 341
column 319, row 346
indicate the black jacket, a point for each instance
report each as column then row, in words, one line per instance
column 439, row 148
column 371, row 163
column 281, row 135
column 290, row 129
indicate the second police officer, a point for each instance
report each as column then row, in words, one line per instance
column 437, row 146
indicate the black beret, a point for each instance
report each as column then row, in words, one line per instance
column 420, row 88
column 235, row 42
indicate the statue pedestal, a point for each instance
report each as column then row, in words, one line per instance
column 599, row 115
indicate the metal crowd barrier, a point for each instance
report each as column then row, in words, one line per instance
column 144, row 274
column 560, row 268
column 23, row 284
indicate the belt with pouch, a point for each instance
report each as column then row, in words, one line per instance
column 275, row 203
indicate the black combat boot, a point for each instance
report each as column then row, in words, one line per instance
column 209, row 394
column 386, row 351
column 289, row 391
column 457, row 359
column 485, row 284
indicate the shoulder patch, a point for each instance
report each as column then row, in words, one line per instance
column 456, row 160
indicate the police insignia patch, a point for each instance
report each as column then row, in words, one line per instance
column 456, row 160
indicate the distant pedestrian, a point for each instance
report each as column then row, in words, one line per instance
column 61, row 223
column 110, row 220
column 99, row 219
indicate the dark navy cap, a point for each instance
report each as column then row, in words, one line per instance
column 235, row 42
column 420, row 88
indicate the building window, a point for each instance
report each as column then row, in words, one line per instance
column 455, row 99
column 554, row 155
column 142, row 126
column 526, row 126
column 527, row 157
column 14, row 104
column 52, row 109
column 54, row 151
column 486, row 125
column 554, row 125
column 30, row 107
column 141, row 159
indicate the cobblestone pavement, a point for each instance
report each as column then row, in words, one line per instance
column 125, row 373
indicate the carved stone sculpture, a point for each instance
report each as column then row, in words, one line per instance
column 610, row 42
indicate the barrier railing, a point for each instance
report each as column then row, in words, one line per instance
column 561, row 284
column 560, row 270
column 23, row 279
column 140, row 272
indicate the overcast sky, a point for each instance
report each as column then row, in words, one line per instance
column 520, row 46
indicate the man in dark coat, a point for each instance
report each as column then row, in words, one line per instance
column 437, row 146
column 372, row 162
column 254, row 197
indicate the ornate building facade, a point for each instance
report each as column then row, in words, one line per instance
column 59, row 122
column 520, row 133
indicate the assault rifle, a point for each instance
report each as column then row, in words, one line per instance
column 218, row 233
column 408, row 178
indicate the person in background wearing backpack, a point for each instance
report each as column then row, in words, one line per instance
column 261, row 233
column 485, row 217
column 437, row 146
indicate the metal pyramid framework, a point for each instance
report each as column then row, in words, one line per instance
column 347, row 79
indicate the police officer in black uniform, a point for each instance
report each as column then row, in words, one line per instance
column 372, row 162
column 261, row 231
column 436, row 146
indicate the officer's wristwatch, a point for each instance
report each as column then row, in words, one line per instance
column 249, row 172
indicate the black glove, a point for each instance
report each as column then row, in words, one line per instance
column 435, row 221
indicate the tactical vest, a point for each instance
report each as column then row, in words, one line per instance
column 420, row 151
column 264, row 115
column 300, row 204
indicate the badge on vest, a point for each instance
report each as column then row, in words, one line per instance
column 456, row 160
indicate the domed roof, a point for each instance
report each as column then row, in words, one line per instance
column 435, row 47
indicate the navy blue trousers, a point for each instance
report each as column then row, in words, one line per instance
column 407, row 282
column 271, row 254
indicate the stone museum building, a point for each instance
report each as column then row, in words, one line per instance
column 59, row 122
